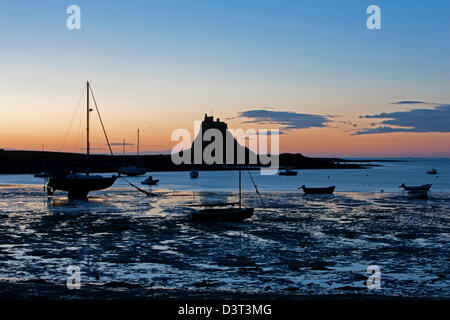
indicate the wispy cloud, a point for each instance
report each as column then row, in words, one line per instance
column 434, row 119
column 409, row 102
column 121, row 144
column 285, row 119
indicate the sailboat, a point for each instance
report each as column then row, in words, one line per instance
column 230, row 214
column 133, row 171
column 78, row 185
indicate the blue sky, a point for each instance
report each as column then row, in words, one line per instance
column 171, row 61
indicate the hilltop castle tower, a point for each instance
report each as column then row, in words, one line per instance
column 209, row 123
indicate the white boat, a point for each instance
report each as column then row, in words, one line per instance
column 150, row 181
column 424, row 187
column 132, row 171
column 417, row 192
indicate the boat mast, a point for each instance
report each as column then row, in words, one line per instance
column 87, row 127
column 137, row 150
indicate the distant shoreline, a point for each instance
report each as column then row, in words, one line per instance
column 30, row 162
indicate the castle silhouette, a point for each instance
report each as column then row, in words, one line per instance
column 209, row 123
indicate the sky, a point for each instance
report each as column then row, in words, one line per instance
column 311, row 69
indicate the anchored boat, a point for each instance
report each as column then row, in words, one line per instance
column 424, row 187
column 150, row 181
column 324, row 190
column 420, row 192
column 78, row 185
column 230, row 214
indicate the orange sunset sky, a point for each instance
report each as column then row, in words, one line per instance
column 332, row 87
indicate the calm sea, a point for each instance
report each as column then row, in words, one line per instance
column 293, row 244
column 387, row 176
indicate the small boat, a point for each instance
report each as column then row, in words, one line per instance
column 150, row 181
column 288, row 172
column 223, row 214
column 417, row 192
column 424, row 187
column 432, row 171
column 193, row 174
column 42, row 175
column 132, row 171
column 231, row 214
column 324, row 190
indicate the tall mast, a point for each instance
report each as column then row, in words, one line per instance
column 137, row 142
column 87, row 127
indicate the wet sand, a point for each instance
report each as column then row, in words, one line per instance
column 295, row 246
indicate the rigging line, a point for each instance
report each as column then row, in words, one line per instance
column 81, row 132
column 140, row 189
column 71, row 121
column 101, row 122
column 256, row 187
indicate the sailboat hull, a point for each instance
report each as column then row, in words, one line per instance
column 222, row 215
column 78, row 186
column 132, row 171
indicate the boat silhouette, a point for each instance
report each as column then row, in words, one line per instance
column 324, row 190
column 230, row 214
column 79, row 185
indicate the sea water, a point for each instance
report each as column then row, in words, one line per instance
column 294, row 244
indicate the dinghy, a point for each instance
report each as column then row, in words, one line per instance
column 417, row 192
column 150, row 181
column 424, row 187
column 324, row 190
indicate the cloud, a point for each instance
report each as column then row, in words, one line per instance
column 121, row 144
column 434, row 119
column 409, row 102
column 286, row 119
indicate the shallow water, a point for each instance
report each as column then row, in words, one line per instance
column 292, row 244
column 388, row 176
